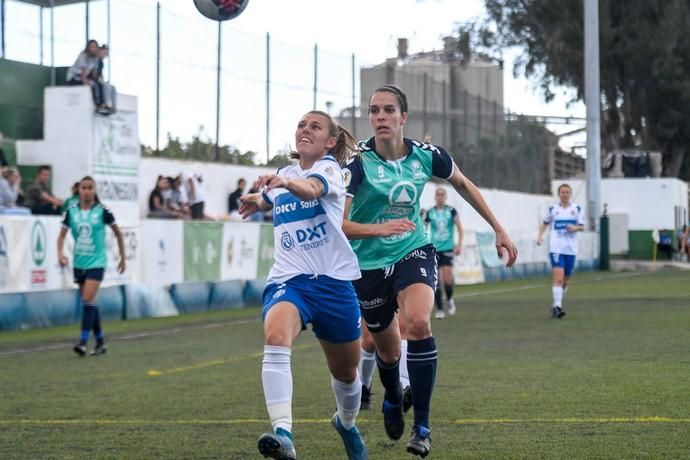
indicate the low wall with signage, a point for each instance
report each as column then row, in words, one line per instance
column 175, row 267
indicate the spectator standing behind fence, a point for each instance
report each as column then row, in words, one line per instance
column 192, row 184
column 9, row 191
column 234, row 197
column 38, row 197
column 108, row 91
column 81, row 74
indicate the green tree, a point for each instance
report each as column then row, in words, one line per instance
column 201, row 148
column 644, row 64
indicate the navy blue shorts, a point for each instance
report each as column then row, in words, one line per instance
column 445, row 259
column 83, row 274
column 378, row 289
column 330, row 305
column 564, row 261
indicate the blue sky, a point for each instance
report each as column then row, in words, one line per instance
column 367, row 28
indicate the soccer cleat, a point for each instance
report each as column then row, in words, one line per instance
column 440, row 314
column 354, row 444
column 393, row 420
column 101, row 349
column 407, row 398
column 277, row 445
column 560, row 313
column 420, row 441
column 451, row 307
column 80, row 349
column 554, row 312
column 365, row 402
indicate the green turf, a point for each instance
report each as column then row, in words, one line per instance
column 611, row 380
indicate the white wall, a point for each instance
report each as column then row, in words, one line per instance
column 649, row 202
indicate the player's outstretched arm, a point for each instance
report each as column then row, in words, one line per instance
column 356, row 231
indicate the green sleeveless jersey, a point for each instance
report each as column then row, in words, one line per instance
column 384, row 190
column 88, row 229
column 441, row 225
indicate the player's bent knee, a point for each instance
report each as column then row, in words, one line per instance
column 418, row 329
column 278, row 339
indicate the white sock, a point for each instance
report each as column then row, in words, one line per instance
column 565, row 289
column 276, row 377
column 557, row 296
column 404, row 376
column 367, row 364
column 347, row 398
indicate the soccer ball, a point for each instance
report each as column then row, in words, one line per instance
column 221, row 10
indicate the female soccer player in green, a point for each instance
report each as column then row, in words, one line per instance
column 87, row 220
column 397, row 261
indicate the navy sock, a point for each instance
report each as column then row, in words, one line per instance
column 390, row 378
column 422, row 358
column 449, row 291
column 87, row 318
column 97, row 331
column 437, row 298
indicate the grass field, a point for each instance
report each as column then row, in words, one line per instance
column 610, row 381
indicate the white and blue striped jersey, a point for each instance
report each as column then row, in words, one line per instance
column 308, row 235
column 558, row 217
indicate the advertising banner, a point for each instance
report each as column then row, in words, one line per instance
column 131, row 237
column 14, row 245
column 240, row 251
column 265, row 251
column 467, row 268
column 487, row 249
column 202, row 246
column 162, row 251
column 116, row 156
column 44, row 270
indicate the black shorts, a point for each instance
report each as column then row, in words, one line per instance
column 197, row 210
column 445, row 259
column 81, row 275
column 378, row 289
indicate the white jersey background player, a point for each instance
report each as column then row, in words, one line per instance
column 564, row 220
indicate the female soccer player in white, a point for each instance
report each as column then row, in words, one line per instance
column 565, row 220
column 310, row 281
column 397, row 261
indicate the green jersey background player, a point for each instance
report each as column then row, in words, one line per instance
column 86, row 220
column 396, row 258
column 442, row 219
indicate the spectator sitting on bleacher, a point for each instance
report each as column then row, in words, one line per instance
column 9, row 190
column 108, row 91
column 81, row 74
column 180, row 201
column 234, row 197
column 157, row 207
column 195, row 194
column 684, row 243
column 38, row 197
